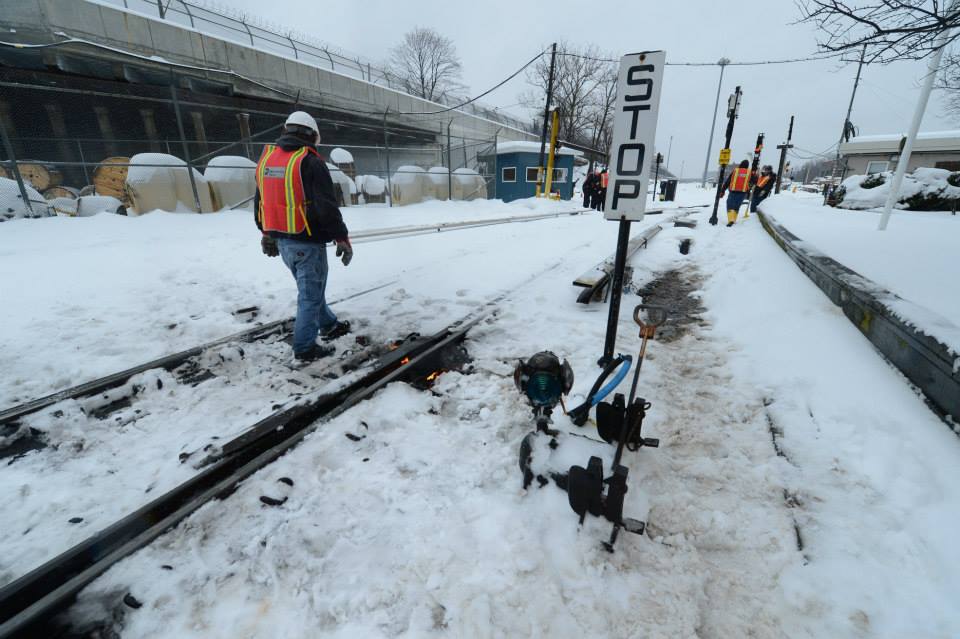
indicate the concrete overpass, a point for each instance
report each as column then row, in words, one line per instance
column 97, row 71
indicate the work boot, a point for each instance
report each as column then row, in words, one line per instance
column 729, row 224
column 337, row 330
column 313, row 354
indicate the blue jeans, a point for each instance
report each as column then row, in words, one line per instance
column 735, row 199
column 308, row 263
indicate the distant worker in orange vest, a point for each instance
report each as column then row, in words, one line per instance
column 604, row 180
column 763, row 187
column 739, row 186
column 295, row 208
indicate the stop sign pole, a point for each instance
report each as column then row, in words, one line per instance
column 631, row 153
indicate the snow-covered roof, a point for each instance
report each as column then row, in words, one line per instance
column 890, row 143
column 525, row 146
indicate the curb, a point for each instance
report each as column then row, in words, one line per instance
column 925, row 361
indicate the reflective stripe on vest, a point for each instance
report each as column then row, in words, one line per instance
column 763, row 179
column 740, row 180
column 282, row 198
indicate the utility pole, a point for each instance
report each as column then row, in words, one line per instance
column 757, row 150
column 723, row 62
column 546, row 118
column 783, row 155
column 669, row 150
column 846, row 121
column 933, row 67
column 733, row 106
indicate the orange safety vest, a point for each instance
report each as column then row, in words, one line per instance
column 763, row 179
column 282, row 200
column 604, row 180
column 740, row 180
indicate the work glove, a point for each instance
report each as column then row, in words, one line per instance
column 269, row 246
column 344, row 251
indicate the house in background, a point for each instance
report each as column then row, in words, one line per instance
column 867, row 154
column 514, row 170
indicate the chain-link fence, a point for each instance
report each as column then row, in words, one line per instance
column 66, row 142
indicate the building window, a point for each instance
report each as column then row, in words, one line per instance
column 559, row 175
column 532, row 172
column 877, row 167
column 508, row 174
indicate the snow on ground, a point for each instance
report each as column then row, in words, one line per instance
column 421, row 528
column 915, row 258
column 196, row 269
column 107, row 292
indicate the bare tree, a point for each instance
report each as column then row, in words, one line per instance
column 891, row 29
column 426, row 64
column 584, row 88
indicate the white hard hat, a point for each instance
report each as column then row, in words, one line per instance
column 302, row 118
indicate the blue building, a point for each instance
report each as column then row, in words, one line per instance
column 515, row 171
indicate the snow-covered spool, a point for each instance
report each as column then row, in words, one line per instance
column 166, row 187
column 61, row 192
column 40, row 176
column 110, row 178
column 468, row 185
column 344, row 159
column 409, row 185
column 439, row 180
column 232, row 180
column 347, row 187
column 373, row 187
column 88, row 205
column 12, row 204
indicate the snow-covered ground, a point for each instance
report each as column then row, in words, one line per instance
column 915, row 258
column 421, row 528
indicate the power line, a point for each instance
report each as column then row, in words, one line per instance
column 815, row 58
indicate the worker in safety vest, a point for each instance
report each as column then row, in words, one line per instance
column 602, row 195
column 739, row 186
column 762, row 187
column 295, row 208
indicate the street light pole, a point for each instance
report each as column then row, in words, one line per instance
column 723, row 62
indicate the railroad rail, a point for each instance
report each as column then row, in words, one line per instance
column 10, row 415
column 30, row 603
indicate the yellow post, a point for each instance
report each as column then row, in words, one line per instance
column 553, row 147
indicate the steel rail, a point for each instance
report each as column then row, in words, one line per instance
column 35, row 598
column 167, row 362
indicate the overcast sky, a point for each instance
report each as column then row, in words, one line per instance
column 495, row 37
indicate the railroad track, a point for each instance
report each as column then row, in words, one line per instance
column 10, row 416
column 29, row 604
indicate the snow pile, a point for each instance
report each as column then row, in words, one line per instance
column 12, row 204
column 925, row 189
column 232, row 180
column 341, row 156
column 165, row 187
column 439, row 181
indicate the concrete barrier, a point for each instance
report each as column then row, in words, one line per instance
column 925, row 361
